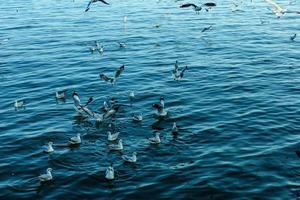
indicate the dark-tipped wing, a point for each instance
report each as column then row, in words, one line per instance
column 104, row 2
column 88, row 6
column 210, row 4
column 188, row 5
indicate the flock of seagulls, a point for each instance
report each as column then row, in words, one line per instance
column 111, row 107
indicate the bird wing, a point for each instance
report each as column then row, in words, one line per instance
column 188, row 5
column 88, row 6
column 275, row 5
column 104, row 2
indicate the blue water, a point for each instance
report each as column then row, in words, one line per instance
column 237, row 106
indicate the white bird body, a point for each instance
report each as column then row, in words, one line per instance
column 116, row 147
column 137, row 117
column 19, row 103
column 112, row 137
column 174, row 128
column 155, row 140
column 110, row 173
column 47, row 176
column 278, row 10
column 60, row 94
column 131, row 159
column 75, row 140
column 49, row 148
column 131, row 95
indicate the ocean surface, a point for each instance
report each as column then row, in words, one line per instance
column 238, row 105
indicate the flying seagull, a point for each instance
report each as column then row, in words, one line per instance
column 94, row 1
column 278, row 10
column 198, row 8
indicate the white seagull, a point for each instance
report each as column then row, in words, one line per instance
column 47, row 176
column 110, row 173
column 131, row 159
column 49, row 148
column 19, row 103
column 112, row 137
column 137, row 117
column 116, row 147
column 155, row 140
column 61, row 94
column 75, row 140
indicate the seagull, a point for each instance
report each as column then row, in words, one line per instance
column 93, row 1
column 131, row 95
column 75, row 140
column 131, row 159
column 137, row 117
column 116, row 147
column 278, row 10
column 110, row 173
column 160, row 108
column 19, row 103
column 293, row 37
column 122, row 45
column 175, row 128
column 155, row 140
column 196, row 8
column 46, row 177
column 206, row 29
column 61, row 94
column 98, row 48
column 112, row 137
column 49, row 148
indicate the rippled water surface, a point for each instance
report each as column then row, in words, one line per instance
column 237, row 106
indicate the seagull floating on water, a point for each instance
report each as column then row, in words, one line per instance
column 49, row 148
column 61, row 94
column 99, row 48
column 137, row 117
column 160, row 108
column 293, row 37
column 94, row 1
column 47, row 176
column 131, row 96
column 156, row 139
column 131, row 159
column 175, row 128
column 75, row 140
column 122, row 45
column 116, row 147
column 110, row 173
column 112, row 137
column 19, row 104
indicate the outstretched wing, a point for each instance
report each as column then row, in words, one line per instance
column 104, row 2
column 275, row 6
column 188, row 5
column 88, row 6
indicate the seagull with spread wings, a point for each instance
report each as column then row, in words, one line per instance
column 94, row 1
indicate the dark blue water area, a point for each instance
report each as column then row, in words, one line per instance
column 237, row 105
